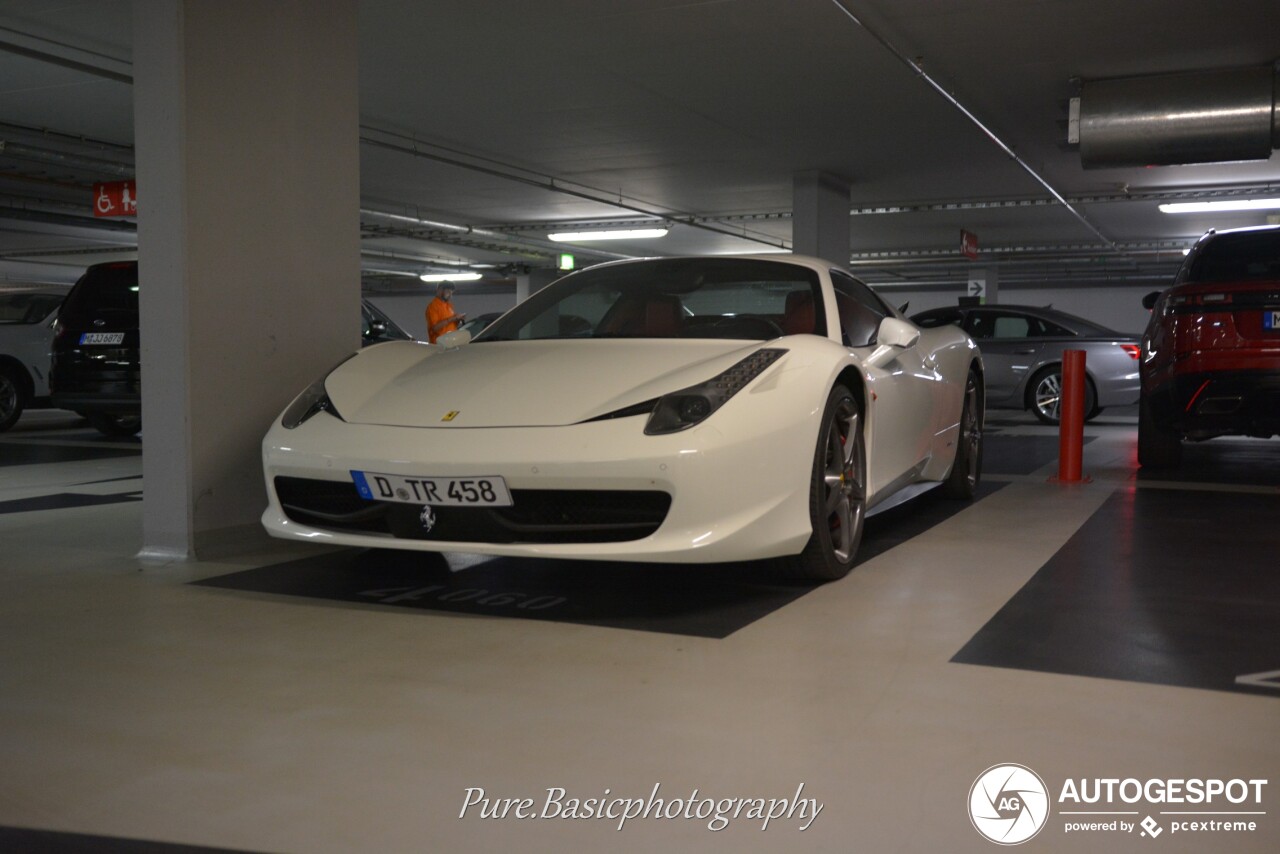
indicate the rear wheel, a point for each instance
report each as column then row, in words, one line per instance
column 1044, row 395
column 967, row 469
column 116, row 426
column 1158, row 445
column 13, row 397
column 837, row 493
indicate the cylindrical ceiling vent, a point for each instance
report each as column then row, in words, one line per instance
column 1191, row 117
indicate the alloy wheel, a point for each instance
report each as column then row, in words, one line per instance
column 844, row 481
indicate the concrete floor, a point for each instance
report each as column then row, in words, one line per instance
column 137, row 705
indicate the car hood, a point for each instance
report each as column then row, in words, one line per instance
column 519, row 383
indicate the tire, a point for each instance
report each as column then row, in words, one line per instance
column 1044, row 395
column 1159, row 446
column 116, row 426
column 1093, row 413
column 837, row 493
column 13, row 397
column 962, row 483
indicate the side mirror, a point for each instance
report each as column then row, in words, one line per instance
column 378, row 328
column 897, row 333
column 455, row 339
column 1149, row 301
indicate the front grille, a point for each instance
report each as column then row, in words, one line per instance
column 330, row 504
column 536, row 515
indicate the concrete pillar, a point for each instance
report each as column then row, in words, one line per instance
column 534, row 281
column 247, row 140
column 820, row 216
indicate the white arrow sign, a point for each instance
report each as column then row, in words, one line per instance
column 977, row 287
column 1268, row 679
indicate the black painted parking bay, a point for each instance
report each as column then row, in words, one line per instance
column 1169, row 586
column 699, row 600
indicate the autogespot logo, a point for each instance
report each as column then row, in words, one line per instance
column 1008, row 804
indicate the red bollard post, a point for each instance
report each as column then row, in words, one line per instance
column 1071, row 417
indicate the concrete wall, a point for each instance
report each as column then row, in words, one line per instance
column 1116, row 306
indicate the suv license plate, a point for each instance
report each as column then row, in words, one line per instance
column 102, row 338
column 481, row 491
column 1271, row 321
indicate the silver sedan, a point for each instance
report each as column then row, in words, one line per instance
column 1022, row 348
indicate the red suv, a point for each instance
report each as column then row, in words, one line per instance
column 1211, row 353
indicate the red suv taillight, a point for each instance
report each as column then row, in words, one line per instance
column 1133, row 350
column 1185, row 302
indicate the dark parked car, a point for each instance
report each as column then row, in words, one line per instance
column 96, row 368
column 476, row 325
column 1211, row 352
column 1022, row 349
column 376, row 327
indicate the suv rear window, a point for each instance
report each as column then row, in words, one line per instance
column 1243, row 257
column 108, row 288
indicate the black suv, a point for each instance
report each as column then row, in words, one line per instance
column 96, row 368
column 95, row 350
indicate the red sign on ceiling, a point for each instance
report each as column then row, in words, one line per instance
column 115, row 198
column 968, row 244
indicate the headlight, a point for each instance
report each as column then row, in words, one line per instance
column 314, row 399
column 687, row 407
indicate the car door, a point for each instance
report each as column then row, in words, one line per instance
column 906, row 409
column 1009, row 349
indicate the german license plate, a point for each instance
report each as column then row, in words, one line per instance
column 102, row 338
column 1271, row 321
column 483, row 491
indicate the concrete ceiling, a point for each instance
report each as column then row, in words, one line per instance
column 697, row 112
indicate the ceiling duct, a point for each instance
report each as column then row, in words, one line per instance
column 1190, row 117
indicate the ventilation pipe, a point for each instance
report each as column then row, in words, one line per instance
column 1190, row 117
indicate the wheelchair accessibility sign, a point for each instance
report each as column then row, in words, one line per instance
column 115, row 198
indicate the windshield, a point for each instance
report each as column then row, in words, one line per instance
column 671, row 298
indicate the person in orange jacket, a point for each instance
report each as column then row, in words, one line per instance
column 441, row 318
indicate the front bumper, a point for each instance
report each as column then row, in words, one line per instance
column 110, row 404
column 731, row 498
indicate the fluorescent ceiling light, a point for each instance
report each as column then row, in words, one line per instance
column 631, row 234
column 449, row 277
column 1224, row 205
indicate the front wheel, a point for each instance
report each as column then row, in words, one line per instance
column 1044, row 395
column 967, row 469
column 12, row 398
column 837, row 493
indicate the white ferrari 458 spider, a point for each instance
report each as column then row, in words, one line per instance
column 687, row 410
